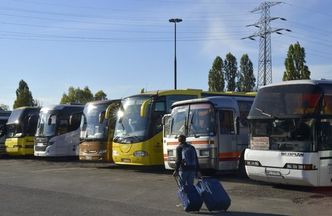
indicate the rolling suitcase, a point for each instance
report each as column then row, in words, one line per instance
column 213, row 194
column 189, row 197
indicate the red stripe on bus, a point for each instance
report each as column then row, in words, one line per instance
column 229, row 156
column 202, row 142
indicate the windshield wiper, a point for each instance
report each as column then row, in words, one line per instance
column 266, row 114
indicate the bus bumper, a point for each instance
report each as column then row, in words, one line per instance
column 283, row 176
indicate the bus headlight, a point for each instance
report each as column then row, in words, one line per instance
column 204, row 152
column 299, row 166
column 115, row 153
column 140, row 154
column 252, row 163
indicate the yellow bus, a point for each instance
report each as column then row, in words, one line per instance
column 21, row 129
column 4, row 115
column 97, row 128
column 138, row 130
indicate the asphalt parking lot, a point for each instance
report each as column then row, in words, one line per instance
column 44, row 187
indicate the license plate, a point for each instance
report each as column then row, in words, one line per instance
column 126, row 160
column 40, row 144
column 272, row 173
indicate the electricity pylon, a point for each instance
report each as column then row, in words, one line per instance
column 264, row 75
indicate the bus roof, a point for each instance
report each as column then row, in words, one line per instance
column 297, row 82
column 215, row 100
column 101, row 102
column 18, row 113
column 59, row 107
column 170, row 92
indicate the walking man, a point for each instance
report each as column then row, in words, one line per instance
column 187, row 166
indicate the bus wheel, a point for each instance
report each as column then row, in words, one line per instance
column 242, row 168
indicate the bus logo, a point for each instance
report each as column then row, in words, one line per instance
column 292, row 154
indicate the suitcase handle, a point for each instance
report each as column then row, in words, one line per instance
column 177, row 181
column 205, row 186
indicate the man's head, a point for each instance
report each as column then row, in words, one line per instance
column 182, row 138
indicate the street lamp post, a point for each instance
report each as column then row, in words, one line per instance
column 175, row 20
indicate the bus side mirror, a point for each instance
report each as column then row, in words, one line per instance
column 108, row 112
column 165, row 119
column 111, row 110
column 237, row 125
column 70, row 119
column 144, row 108
column 102, row 117
column 32, row 121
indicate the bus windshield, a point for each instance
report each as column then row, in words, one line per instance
column 198, row 118
column 130, row 125
column 294, row 134
column 286, row 101
column 91, row 128
column 46, row 124
column 2, row 127
column 14, row 127
column 14, row 130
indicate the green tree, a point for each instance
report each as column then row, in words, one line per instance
column 100, row 95
column 142, row 90
column 295, row 64
column 77, row 96
column 216, row 76
column 230, row 68
column 23, row 96
column 247, row 79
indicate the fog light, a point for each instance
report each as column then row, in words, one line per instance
column 140, row 154
column 115, row 153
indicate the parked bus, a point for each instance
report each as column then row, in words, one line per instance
column 216, row 126
column 4, row 115
column 58, row 131
column 97, row 129
column 291, row 134
column 21, row 129
column 138, row 129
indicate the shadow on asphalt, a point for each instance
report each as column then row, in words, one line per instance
column 320, row 192
column 234, row 213
column 141, row 169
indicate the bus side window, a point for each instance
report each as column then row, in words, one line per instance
column 326, row 136
column 226, row 118
column 74, row 121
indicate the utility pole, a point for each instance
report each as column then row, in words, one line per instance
column 264, row 75
column 175, row 20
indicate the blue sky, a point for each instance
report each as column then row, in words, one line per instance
column 121, row 46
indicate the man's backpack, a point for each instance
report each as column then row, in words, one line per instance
column 188, row 156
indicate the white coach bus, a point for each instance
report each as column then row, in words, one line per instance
column 58, row 131
column 216, row 126
column 291, row 134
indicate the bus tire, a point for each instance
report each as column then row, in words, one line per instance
column 242, row 168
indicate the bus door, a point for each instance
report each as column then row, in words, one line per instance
column 325, row 156
column 227, row 139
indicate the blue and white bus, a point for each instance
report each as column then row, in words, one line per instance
column 58, row 131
